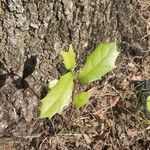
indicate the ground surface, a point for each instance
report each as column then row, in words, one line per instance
column 31, row 34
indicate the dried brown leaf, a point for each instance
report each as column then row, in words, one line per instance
column 136, row 78
column 93, row 91
column 113, row 102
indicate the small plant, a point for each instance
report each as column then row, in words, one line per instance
column 99, row 62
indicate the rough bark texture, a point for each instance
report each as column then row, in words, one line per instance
column 38, row 29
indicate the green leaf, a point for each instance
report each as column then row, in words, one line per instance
column 69, row 58
column 81, row 99
column 58, row 97
column 99, row 62
column 148, row 103
column 52, row 83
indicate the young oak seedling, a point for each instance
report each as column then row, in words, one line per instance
column 98, row 63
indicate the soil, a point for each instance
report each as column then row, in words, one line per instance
column 31, row 34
